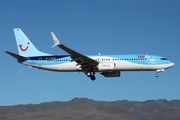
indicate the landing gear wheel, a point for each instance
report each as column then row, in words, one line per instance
column 91, row 74
column 88, row 74
column 93, row 78
column 157, row 75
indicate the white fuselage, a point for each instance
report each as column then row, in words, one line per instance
column 120, row 64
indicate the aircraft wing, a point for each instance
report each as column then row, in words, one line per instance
column 82, row 60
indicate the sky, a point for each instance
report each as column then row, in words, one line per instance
column 90, row 27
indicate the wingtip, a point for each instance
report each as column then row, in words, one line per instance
column 53, row 45
column 55, row 39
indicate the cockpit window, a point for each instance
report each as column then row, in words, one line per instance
column 163, row 58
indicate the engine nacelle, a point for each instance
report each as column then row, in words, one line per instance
column 103, row 66
column 111, row 74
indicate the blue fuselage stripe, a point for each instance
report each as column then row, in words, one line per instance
column 134, row 58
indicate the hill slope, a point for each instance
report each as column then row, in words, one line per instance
column 86, row 109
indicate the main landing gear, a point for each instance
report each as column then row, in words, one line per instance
column 91, row 75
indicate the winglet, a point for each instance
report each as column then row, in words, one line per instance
column 56, row 41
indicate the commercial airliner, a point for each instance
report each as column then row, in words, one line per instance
column 107, row 65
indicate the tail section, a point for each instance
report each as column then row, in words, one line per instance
column 25, row 46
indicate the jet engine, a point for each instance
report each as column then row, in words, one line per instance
column 103, row 66
column 111, row 74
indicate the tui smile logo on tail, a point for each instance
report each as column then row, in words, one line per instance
column 24, row 49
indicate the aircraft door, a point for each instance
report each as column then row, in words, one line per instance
column 39, row 61
column 153, row 59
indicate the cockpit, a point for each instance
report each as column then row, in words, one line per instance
column 163, row 58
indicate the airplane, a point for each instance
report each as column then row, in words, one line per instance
column 107, row 65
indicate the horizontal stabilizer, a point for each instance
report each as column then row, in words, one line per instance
column 15, row 55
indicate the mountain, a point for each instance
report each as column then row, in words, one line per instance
column 86, row 109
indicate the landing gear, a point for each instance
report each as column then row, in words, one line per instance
column 157, row 71
column 156, row 75
column 93, row 78
column 91, row 75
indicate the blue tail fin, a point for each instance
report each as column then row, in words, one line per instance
column 25, row 46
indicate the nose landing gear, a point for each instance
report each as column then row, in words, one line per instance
column 157, row 71
column 156, row 75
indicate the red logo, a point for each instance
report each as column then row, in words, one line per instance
column 141, row 56
column 24, row 49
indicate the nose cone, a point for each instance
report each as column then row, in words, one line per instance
column 171, row 64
